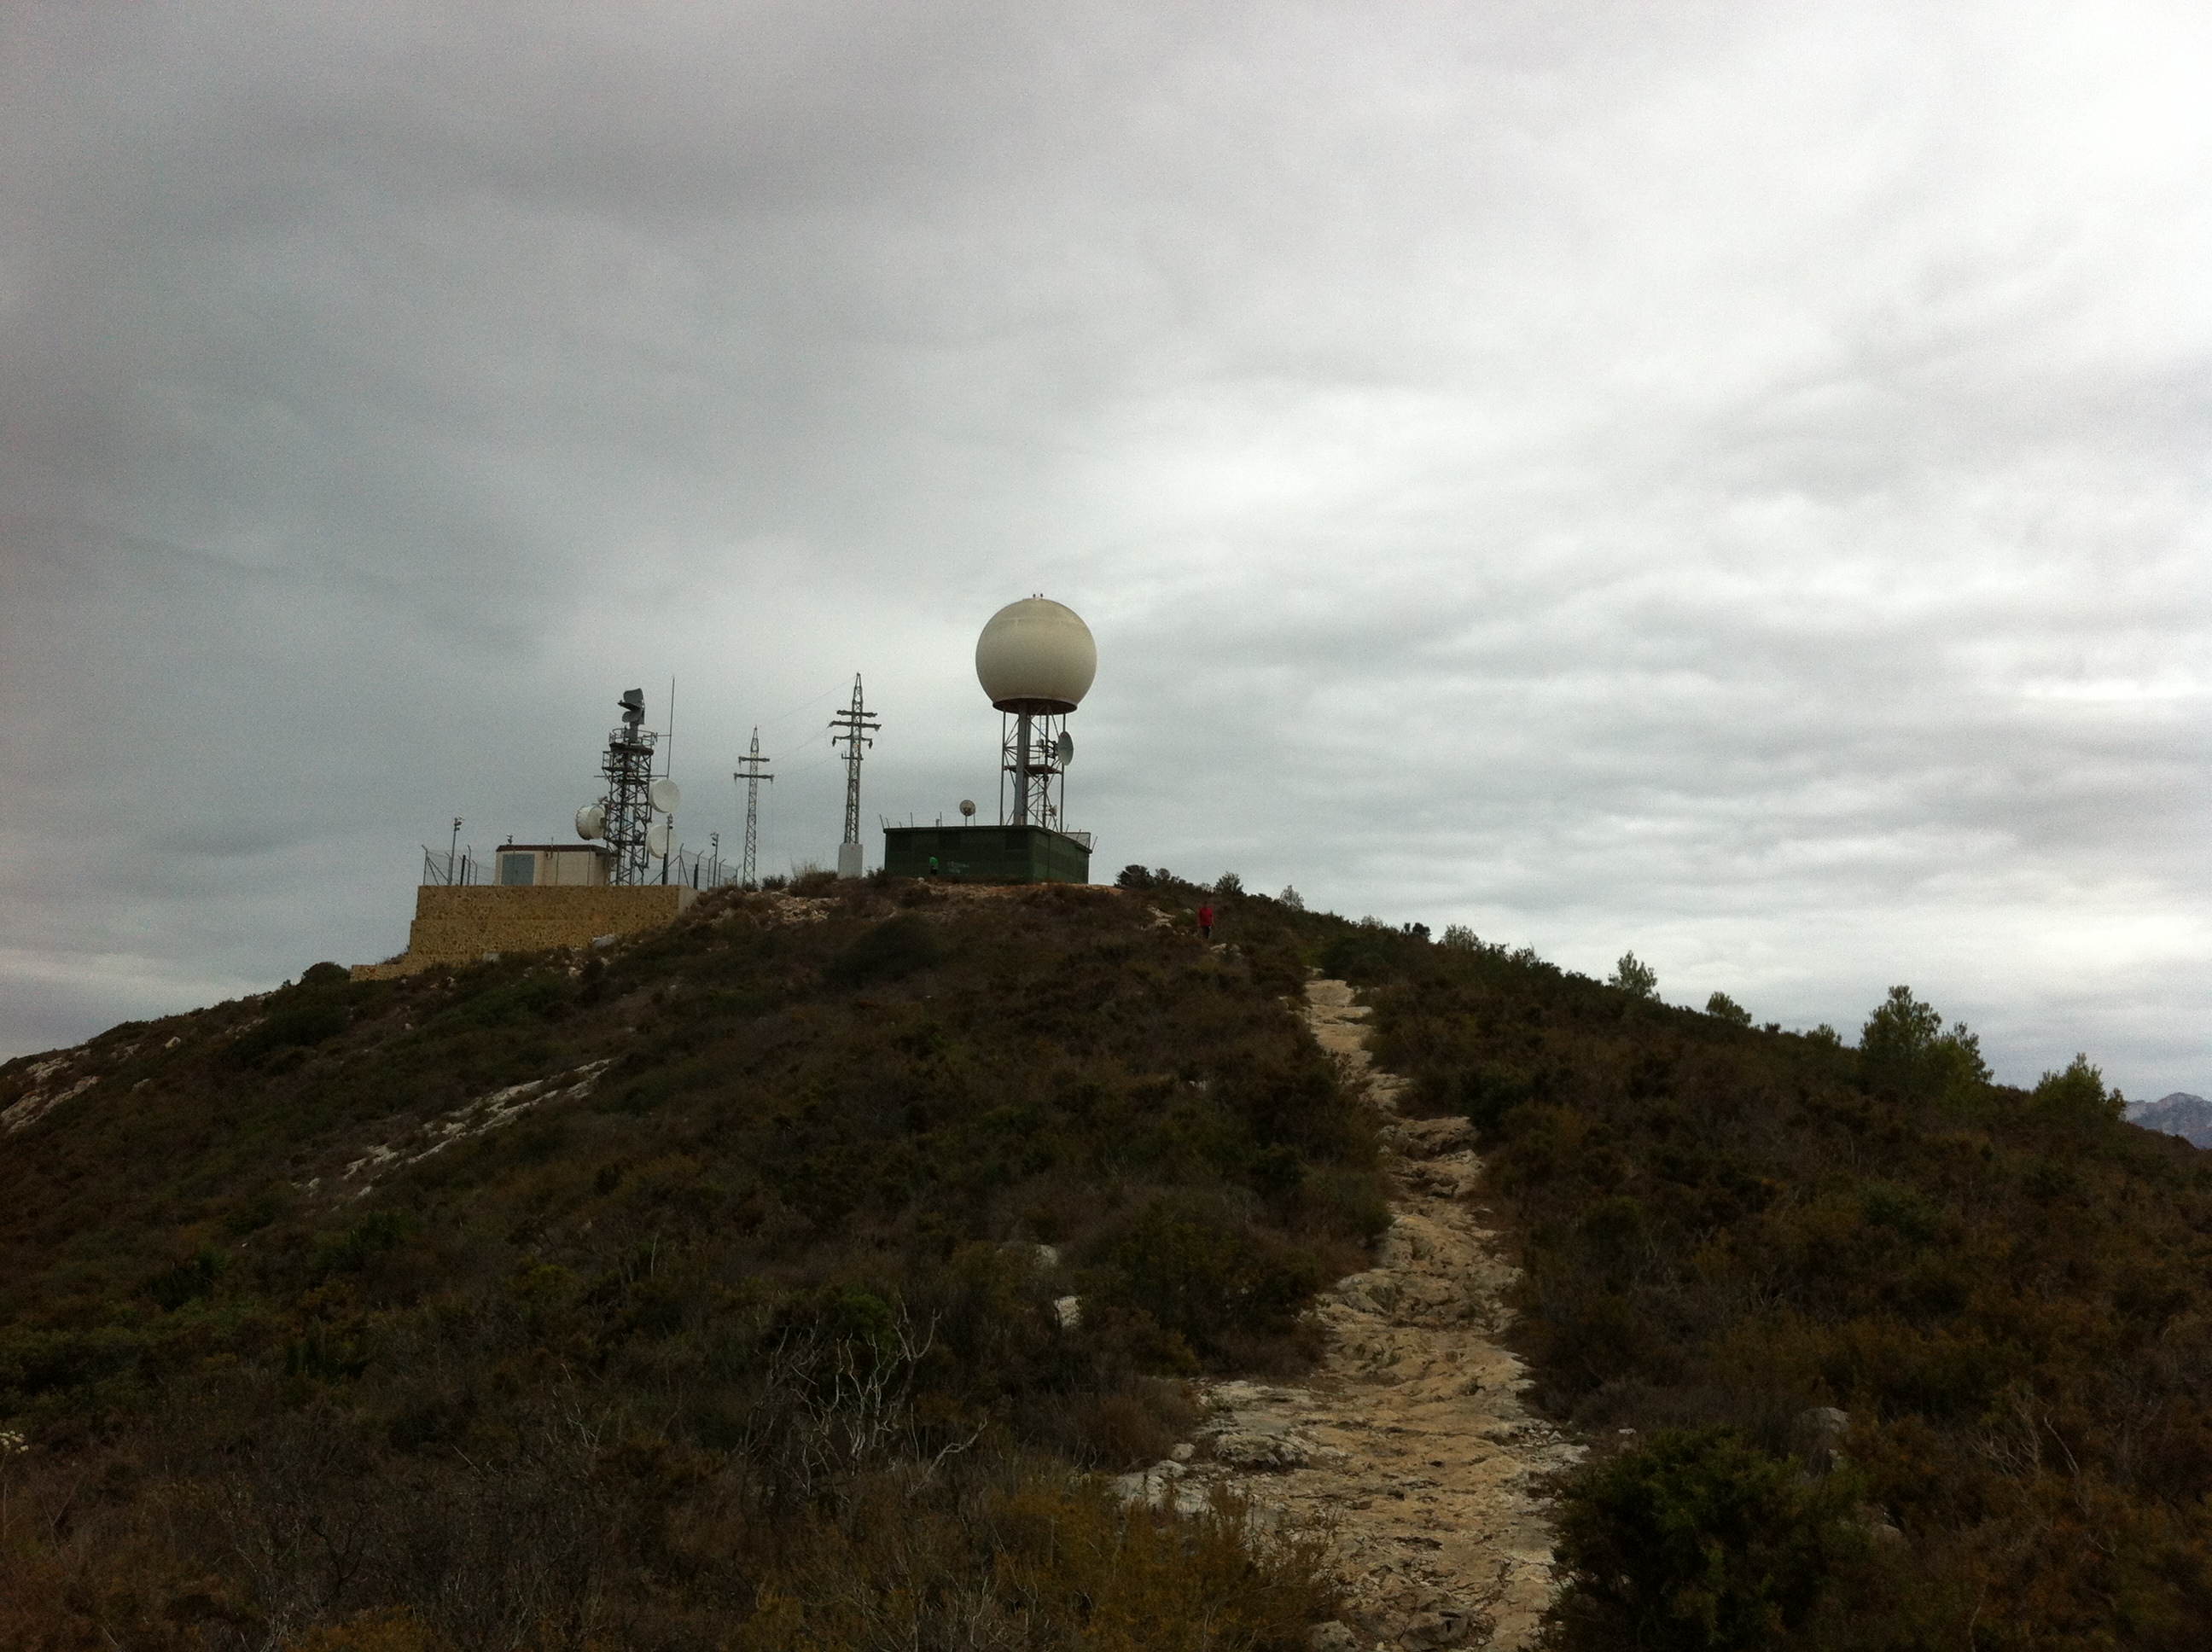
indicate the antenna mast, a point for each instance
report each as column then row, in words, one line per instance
column 627, row 770
column 857, row 723
column 752, row 772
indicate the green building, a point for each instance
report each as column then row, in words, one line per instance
column 1023, row 854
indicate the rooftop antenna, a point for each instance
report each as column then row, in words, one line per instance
column 752, row 772
column 1036, row 660
column 857, row 723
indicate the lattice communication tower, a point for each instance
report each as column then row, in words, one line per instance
column 627, row 809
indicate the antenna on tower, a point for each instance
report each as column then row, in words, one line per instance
column 857, row 723
column 753, row 771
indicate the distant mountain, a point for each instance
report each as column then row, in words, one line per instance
column 2179, row 1115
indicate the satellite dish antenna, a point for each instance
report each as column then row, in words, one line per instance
column 1065, row 748
column 591, row 822
column 967, row 808
column 666, row 795
column 656, row 839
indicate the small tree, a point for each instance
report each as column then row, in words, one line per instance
column 1634, row 977
column 1698, row 1542
column 1134, row 877
column 2077, row 1096
column 1460, row 939
column 1291, row 898
column 1229, row 883
column 1722, row 1007
column 1903, row 1046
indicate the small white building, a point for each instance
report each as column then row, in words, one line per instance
column 566, row 866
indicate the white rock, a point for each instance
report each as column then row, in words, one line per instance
column 1252, row 1447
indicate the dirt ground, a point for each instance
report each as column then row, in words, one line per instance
column 1410, row 1443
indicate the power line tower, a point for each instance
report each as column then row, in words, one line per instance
column 856, row 723
column 750, row 770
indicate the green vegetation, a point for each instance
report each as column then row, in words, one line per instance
column 710, row 1292
column 1725, row 1230
column 698, row 1293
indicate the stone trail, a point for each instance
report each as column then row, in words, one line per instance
column 1410, row 1443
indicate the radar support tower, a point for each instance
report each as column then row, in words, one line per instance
column 1036, row 660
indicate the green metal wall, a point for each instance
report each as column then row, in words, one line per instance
column 1020, row 853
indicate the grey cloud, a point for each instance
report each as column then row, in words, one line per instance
column 1722, row 482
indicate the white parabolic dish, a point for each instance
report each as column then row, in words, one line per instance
column 656, row 838
column 1035, row 655
column 591, row 822
column 666, row 795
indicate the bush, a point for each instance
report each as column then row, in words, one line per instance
column 1696, row 1542
column 1208, row 1280
column 1722, row 1007
column 891, row 951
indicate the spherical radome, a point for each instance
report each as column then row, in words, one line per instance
column 1035, row 655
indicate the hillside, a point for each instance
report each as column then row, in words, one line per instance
column 770, row 1281
column 705, row 1291
column 1909, row 1358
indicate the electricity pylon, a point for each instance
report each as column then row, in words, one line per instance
column 856, row 723
column 752, row 773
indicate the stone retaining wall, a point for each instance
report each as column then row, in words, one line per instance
column 459, row 923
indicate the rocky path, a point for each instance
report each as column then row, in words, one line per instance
column 1410, row 1443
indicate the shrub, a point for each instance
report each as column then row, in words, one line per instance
column 1696, row 1542
column 889, row 950
column 1209, row 1280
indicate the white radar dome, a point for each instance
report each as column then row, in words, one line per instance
column 1035, row 655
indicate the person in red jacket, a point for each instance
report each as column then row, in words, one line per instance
column 1206, row 922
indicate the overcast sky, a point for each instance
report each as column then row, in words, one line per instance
column 1729, row 482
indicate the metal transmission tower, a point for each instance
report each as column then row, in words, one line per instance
column 752, row 773
column 856, row 723
column 627, row 809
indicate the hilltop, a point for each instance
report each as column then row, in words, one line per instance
column 722, row 1282
column 776, row 1279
